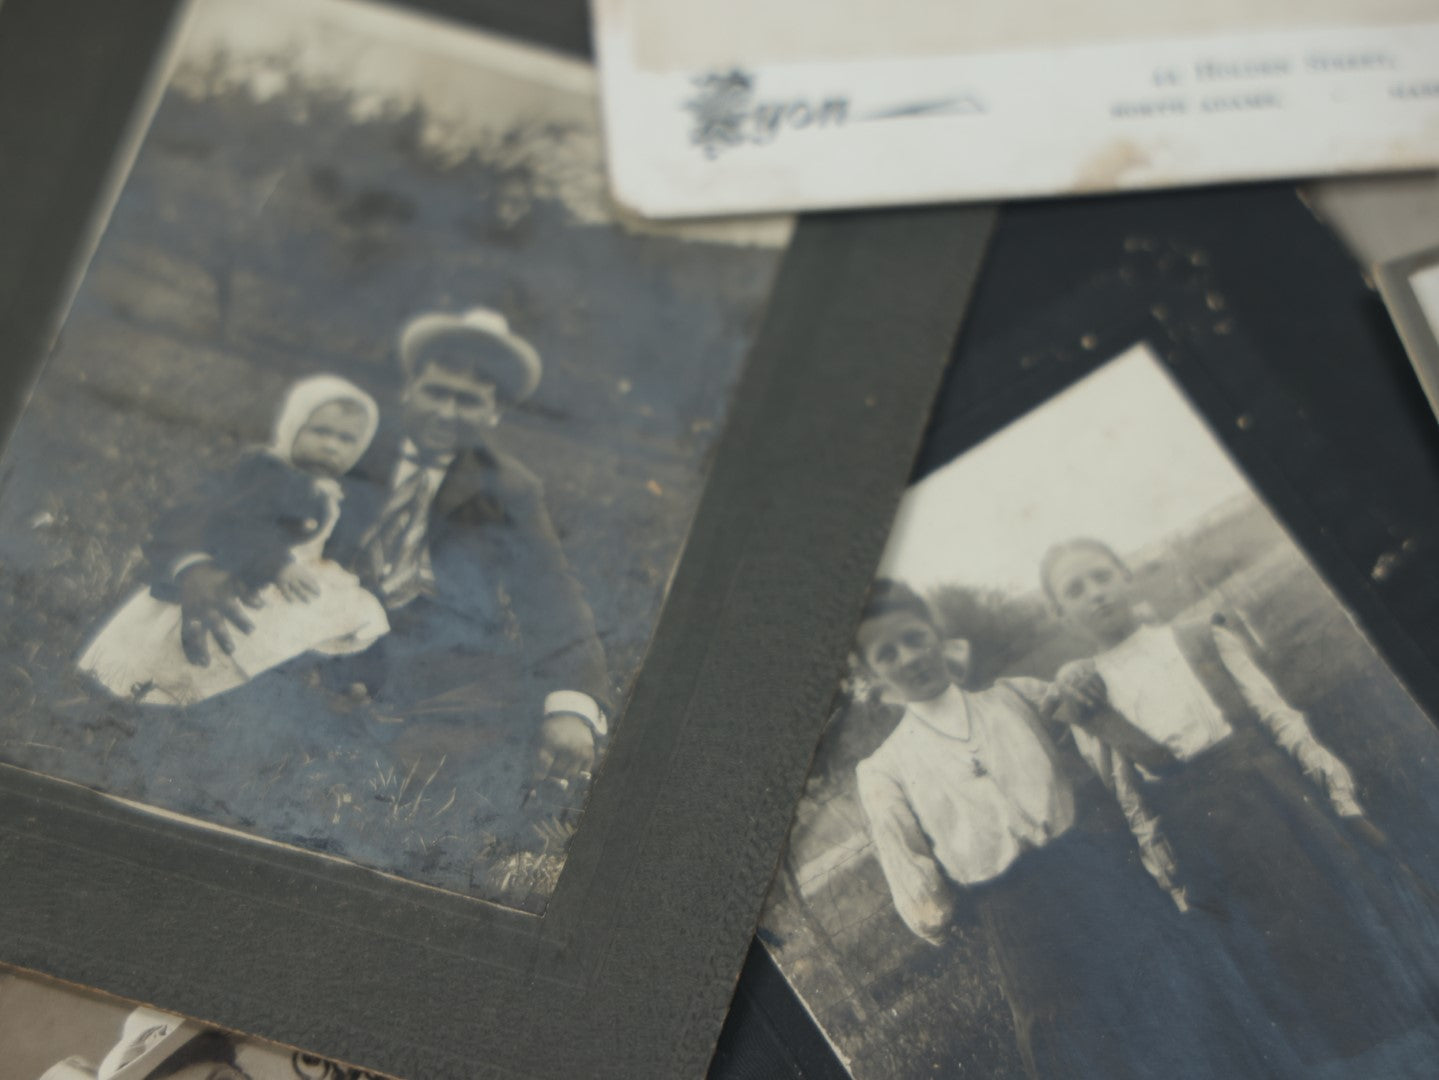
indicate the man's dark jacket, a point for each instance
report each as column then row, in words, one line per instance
column 503, row 587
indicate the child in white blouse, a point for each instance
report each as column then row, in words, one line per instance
column 1266, row 829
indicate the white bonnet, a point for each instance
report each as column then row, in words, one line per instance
column 307, row 395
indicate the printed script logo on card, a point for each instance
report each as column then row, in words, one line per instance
column 727, row 112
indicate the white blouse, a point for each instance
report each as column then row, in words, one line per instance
column 1149, row 681
column 962, row 787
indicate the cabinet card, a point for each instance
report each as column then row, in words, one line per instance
column 760, row 106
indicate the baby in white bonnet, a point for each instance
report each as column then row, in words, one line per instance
column 265, row 522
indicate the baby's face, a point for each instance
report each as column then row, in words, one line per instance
column 332, row 439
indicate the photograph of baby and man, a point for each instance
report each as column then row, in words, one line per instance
column 344, row 508
column 1116, row 787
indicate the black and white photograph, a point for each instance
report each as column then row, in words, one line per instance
column 55, row 1031
column 1410, row 287
column 343, row 511
column 1116, row 787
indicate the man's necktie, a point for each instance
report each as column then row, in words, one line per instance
column 393, row 552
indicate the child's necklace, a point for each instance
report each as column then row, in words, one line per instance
column 976, row 766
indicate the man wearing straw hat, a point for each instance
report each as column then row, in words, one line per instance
column 492, row 642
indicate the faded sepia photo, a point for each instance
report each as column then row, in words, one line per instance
column 1116, row 787
column 343, row 511
column 54, row 1031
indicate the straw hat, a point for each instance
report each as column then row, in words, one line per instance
column 485, row 339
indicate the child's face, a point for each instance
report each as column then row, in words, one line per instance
column 1092, row 591
column 332, row 439
column 904, row 652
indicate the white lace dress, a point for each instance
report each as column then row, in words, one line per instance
column 138, row 654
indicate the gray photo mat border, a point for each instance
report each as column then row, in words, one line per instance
column 629, row 972
column 1420, row 336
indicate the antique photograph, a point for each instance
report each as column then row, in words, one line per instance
column 344, row 509
column 54, row 1031
column 1116, row 787
column 1410, row 287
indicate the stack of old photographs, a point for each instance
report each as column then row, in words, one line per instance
column 439, row 602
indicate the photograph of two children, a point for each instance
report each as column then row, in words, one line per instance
column 1116, row 787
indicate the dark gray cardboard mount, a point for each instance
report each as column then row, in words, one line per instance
column 630, row 972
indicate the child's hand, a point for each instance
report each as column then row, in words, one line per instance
column 296, row 584
column 1079, row 681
